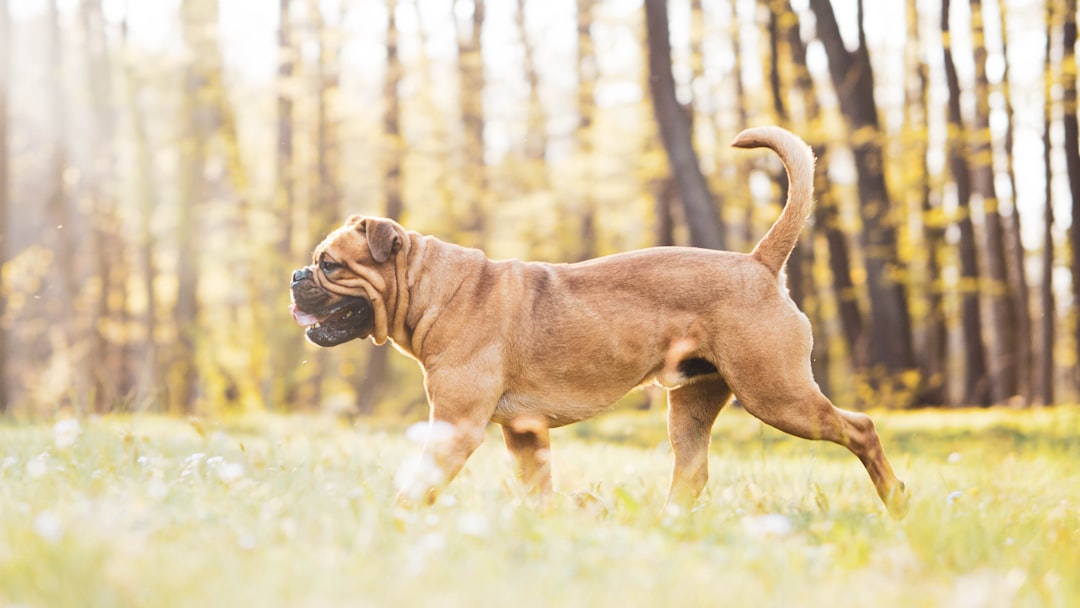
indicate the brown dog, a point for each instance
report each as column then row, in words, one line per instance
column 534, row 346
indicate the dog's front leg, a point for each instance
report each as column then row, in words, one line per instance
column 459, row 415
column 446, row 449
column 529, row 442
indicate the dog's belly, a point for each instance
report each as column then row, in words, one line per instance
column 559, row 405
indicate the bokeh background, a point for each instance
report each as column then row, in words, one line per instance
column 166, row 164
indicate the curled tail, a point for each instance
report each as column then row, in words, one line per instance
column 774, row 248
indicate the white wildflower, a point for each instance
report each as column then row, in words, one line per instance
column 770, row 525
column 473, row 524
column 230, row 471
column 431, row 543
column 420, row 552
column 289, row 528
column 955, row 457
column 435, row 432
column 66, row 432
column 191, row 465
column 48, row 526
column 987, row 588
column 417, row 433
column 954, row 496
column 416, row 477
column 247, row 542
column 157, row 489
column 672, row 512
column 38, row 466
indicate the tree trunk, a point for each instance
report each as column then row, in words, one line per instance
column 785, row 44
column 471, row 99
column 663, row 205
column 1017, row 274
column 371, row 387
column 702, row 217
column 976, row 386
column 1072, row 153
column 748, row 232
column 64, row 236
column 1004, row 377
column 199, row 20
column 281, row 385
column 535, row 129
column 697, row 41
column 147, row 389
column 932, row 372
column 587, row 76
column 106, row 366
column 283, row 158
column 796, row 274
column 5, row 76
column 890, row 352
column 324, row 210
column 826, row 214
column 210, row 116
column 446, row 153
column 800, row 276
column 784, row 36
column 784, row 27
column 1045, row 381
column 392, row 134
column 241, row 386
column 653, row 166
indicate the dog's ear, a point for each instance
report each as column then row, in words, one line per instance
column 382, row 237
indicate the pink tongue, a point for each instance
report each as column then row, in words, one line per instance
column 301, row 317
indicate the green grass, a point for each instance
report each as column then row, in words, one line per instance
column 296, row 511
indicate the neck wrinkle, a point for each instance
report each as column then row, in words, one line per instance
column 426, row 304
column 406, row 316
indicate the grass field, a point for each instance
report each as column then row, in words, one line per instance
column 296, row 511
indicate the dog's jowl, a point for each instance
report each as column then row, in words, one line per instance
column 532, row 346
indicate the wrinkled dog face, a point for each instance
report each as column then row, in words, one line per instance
column 329, row 296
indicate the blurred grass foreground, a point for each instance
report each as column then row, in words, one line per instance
column 297, row 511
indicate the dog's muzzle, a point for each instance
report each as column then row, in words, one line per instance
column 330, row 319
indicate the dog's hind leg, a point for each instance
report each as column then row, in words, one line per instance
column 769, row 372
column 810, row 415
column 528, row 440
column 692, row 410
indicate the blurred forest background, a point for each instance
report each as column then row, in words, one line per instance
column 166, row 164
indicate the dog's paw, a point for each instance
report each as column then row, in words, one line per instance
column 899, row 501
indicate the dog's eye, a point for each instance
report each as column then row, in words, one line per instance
column 328, row 266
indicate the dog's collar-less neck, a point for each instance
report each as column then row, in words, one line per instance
column 414, row 319
column 398, row 329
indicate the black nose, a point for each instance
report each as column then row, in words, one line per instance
column 300, row 274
